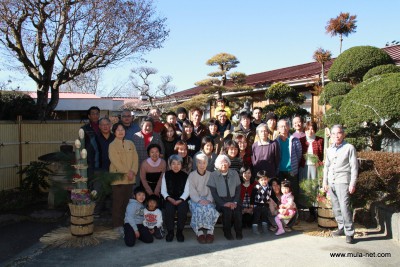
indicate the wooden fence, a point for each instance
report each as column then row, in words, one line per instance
column 24, row 141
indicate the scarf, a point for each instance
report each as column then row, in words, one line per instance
column 152, row 163
column 147, row 138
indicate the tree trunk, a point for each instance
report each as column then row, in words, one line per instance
column 44, row 106
column 376, row 142
column 42, row 100
column 323, row 85
column 341, row 41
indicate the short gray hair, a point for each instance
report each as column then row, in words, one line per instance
column 105, row 119
column 339, row 126
column 262, row 125
column 283, row 120
column 220, row 159
column 175, row 157
column 202, row 157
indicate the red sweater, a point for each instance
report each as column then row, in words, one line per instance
column 249, row 189
column 317, row 147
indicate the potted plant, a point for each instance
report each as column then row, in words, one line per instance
column 82, row 206
column 315, row 195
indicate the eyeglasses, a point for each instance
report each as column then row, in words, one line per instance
column 338, row 133
column 126, row 116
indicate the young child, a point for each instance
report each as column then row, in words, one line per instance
column 287, row 208
column 133, row 227
column 260, row 198
column 221, row 105
column 153, row 218
column 246, row 189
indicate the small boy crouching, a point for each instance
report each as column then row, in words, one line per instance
column 133, row 227
column 153, row 218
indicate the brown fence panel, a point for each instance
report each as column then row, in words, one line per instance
column 9, row 155
column 36, row 139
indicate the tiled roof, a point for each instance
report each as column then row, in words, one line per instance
column 394, row 52
column 188, row 92
column 303, row 71
column 299, row 72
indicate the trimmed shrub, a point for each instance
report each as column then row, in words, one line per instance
column 332, row 117
column 14, row 103
column 333, row 89
column 373, row 106
column 355, row 62
column 336, row 101
column 382, row 69
column 382, row 184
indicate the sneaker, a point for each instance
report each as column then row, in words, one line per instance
column 349, row 239
column 201, row 239
column 280, row 232
column 179, row 236
column 339, row 232
column 158, row 233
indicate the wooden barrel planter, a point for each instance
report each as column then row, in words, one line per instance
column 82, row 219
column 326, row 218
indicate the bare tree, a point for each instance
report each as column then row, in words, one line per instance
column 140, row 80
column 122, row 89
column 56, row 41
column 342, row 25
column 321, row 56
column 85, row 83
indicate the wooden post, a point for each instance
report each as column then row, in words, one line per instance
column 19, row 119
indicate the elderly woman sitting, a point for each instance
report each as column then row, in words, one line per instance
column 201, row 203
column 175, row 190
column 225, row 188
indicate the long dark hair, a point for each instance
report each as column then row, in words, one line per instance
column 245, row 169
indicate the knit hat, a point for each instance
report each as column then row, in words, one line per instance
column 271, row 116
column 181, row 110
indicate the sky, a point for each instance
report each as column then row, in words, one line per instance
column 264, row 35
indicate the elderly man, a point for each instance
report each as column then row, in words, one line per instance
column 340, row 175
column 291, row 154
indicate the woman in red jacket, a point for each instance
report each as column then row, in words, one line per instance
column 313, row 155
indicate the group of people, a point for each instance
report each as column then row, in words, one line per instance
column 249, row 174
